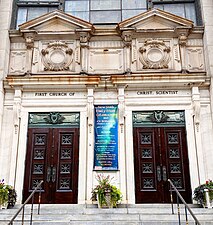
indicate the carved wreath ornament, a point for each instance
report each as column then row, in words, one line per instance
column 154, row 54
column 57, row 56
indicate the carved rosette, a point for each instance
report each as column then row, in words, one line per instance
column 154, row 54
column 57, row 56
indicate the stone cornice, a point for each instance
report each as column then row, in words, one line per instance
column 156, row 80
column 29, row 81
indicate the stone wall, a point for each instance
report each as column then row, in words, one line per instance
column 207, row 9
column 5, row 18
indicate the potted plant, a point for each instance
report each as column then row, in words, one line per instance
column 107, row 195
column 204, row 193
column 3, row 194
column 7, row 195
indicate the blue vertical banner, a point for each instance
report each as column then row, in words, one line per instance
column 106, row 137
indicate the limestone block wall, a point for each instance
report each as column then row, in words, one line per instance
column 5, row 18
column 107, row 57
column 207, row 9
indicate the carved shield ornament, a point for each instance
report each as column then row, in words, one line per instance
column 57, row 56
column 154, row 54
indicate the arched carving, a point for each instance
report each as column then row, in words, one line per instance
column 154, row 54
column 57, row 56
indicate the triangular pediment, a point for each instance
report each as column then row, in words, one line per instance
column 56, row 21
column 154, row 19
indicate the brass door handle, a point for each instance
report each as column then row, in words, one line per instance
column 158, row 173
column 48, row 174
column 53, row 174
column 164, row 174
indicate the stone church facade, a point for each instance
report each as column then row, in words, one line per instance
column 58, row 72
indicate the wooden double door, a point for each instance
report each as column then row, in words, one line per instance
column 52, row 156
column 160, row 153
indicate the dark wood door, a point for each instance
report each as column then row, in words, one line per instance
column 160, row 153
column 52, row 156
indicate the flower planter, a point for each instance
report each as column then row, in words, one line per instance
column 203, row 194
column 4, row 205
column 208, row 200
column 107, row 203
column 107, row 195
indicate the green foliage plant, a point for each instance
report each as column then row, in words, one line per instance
column 3, row 192
column 105, row 192
column 7, row 194
column 199, row 193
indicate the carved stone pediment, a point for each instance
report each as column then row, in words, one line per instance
column 56, row 21
column 154, row 19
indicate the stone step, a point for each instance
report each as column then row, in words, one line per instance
column 108, row 223
column 150, row 214
column 83, row 209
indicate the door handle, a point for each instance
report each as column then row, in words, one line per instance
column 53, row 174
column 164, row 174
column 158, row 173
column 48, row 174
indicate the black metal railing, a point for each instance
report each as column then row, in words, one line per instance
column 31, row 197
column 187, row 208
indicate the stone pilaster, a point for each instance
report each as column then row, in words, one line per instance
column 197, row 133
column 90, row 138
column 15, row 143
column 122, row 139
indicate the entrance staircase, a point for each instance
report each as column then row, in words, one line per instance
column 144, row 214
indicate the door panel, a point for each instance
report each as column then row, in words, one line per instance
column 176, row 160
column 160, row 153
column 66, row 166
column 52, row 156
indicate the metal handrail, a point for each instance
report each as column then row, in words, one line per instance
column 28, row 199
column 184, row 202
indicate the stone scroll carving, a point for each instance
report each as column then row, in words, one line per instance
column 57, row 56
column 154, row 54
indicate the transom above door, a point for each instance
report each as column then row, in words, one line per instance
column 52, row 156
column 160, row 152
